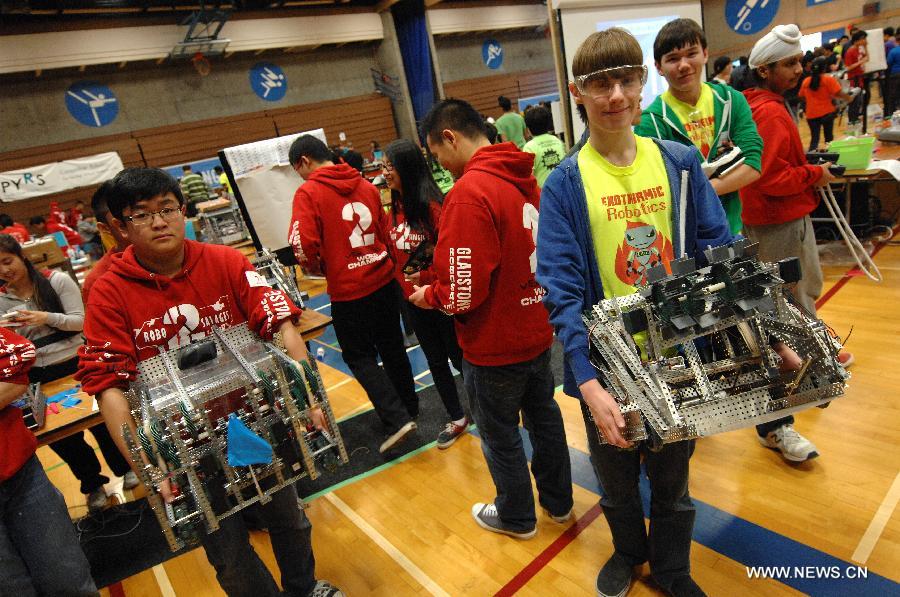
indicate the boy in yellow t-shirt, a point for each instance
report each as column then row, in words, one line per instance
column 619, row 206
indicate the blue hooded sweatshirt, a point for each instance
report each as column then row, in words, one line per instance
column 566, row 261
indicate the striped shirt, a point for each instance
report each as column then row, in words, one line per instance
column 194, row 188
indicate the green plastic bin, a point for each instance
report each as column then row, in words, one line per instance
column 855, row 154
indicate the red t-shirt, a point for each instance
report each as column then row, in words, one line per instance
column 18, row 232
column 17, row 443
column 818, row 101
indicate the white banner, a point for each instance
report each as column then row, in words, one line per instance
column 59, row 176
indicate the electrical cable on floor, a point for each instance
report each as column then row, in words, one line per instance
column 857, row 251
column 91, row 524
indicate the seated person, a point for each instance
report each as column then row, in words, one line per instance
column 40, row 550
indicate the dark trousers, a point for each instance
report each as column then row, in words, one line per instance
column 859, row 104
column 39, row 550
column 668, row 545
column 366, row 328
column 497, row 396
column 437, row 337
column 822, row 123
column 73, row 450
column 239, row 570
column 892, row 95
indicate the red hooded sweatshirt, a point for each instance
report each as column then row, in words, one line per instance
column 405, row 240
column 17, row 443
column 485, row 259
column 340, row 229
column 785, row 190
column 131, row 311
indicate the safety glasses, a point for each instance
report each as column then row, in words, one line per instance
column 600, row 83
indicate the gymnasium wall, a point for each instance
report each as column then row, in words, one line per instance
column 33, row 112
column 459, row 55
column 723, row 40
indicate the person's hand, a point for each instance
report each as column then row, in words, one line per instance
column 318, row 418
column 31, row 317
column 414, row 278
column 827, row 176
column 790, row 360
column 418, row 297
column 606, row 413
column 165, row 491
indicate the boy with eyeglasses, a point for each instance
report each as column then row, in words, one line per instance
column 711, row 117
column 163, row 292
column 620, row 205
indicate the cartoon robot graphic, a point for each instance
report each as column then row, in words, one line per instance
column 642, row 248
column 551, row 159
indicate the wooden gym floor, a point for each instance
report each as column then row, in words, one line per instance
column 406, row 529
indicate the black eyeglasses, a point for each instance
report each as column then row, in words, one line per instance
column 168, row 214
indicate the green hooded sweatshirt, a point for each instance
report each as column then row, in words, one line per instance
column 733, row 120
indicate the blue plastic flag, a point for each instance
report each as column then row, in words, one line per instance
column 244, row 446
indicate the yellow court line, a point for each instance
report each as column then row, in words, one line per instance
column 879, row 521
column 162, row 579
column 404, row 562
column 339, row 384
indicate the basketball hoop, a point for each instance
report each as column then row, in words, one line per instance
column 201, row 64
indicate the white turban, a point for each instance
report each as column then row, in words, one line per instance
column 783, row 41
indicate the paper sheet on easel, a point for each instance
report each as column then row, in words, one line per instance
column 892, row 167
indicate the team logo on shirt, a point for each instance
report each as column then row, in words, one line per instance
column 642, row 248
column 183, row 324
column 551, row 158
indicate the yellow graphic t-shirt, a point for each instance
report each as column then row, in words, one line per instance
column 630, row 213
column 699, row 121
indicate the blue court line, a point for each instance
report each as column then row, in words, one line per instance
column 747, row 543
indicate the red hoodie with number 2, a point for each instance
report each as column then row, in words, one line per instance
column 132, row 313
column 485, row 260
column 339, row 228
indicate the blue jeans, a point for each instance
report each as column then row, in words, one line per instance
column 39, row 550
column 668, row 545
column 239, row 570
column 498, row 395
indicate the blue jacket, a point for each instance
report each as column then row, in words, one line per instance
column 566, row 262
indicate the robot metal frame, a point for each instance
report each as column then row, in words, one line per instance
column 709, row 364
column 181, row 402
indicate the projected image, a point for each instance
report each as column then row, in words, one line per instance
column 645, row 30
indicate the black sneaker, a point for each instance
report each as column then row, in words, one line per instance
column 488, row 518
column 684, row 586
column 451, row 433
column 324, row 588
column 614, row 578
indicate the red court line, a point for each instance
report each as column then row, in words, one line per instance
column 847, row 275
column 550, row 552
column 116, row 590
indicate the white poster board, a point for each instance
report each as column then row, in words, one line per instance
column 264, row 183
column 580, row 18
column 875, row 48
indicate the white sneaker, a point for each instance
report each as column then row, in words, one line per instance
column 130, row 480
column 792, row 445
column 397, row 437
